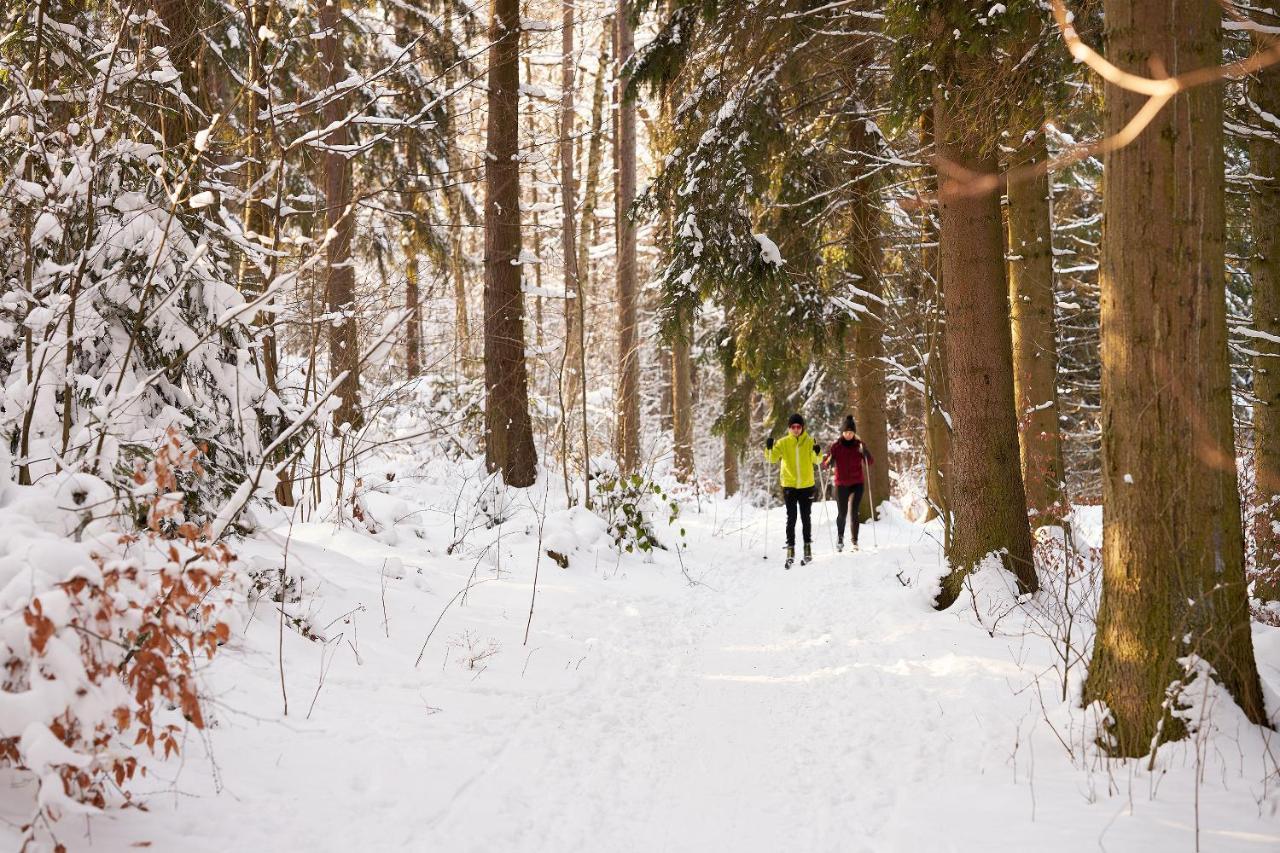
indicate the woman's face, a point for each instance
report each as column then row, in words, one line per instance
column 848, row 435
column 796, row 429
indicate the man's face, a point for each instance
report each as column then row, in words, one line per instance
column 848, row 434
column 796, row 429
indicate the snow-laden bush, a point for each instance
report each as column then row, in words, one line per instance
column 119, row 312
column 103, row 628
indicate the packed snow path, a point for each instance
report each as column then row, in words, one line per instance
column 826, row 708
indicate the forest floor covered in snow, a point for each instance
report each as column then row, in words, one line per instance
column 701, row 700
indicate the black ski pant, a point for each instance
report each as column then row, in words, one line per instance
column 846, row 496
column 798, row 499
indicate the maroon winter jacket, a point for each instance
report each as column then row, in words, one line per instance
column 848, row 461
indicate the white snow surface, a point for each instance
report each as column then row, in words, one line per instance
column 826, row 708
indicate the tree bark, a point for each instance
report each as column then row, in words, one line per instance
column 595, row 151
column 182, row 18
column 568, row 223
column 464, row 360
column 508, row 431
column 628, row 417
column 989, row 506
column 573, row 368
column 865, row 255
column 1265, row 272
column 344, row 345
column 682, row 398
column 1035, row 345
column 1173, row 574
column 733, row 394
column 411, row 235
column 937, row 436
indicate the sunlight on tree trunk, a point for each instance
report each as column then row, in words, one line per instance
column 1173, row 573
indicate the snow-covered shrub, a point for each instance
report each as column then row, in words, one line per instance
column 119, row 311
column 103, row 628
column 629, row 505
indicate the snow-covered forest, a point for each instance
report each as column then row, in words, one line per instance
column 687, row 425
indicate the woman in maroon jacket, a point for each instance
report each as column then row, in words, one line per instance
column 849, row 457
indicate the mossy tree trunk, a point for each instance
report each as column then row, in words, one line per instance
column 1265, row 270
column 937, row 435
column 1173, row 574
column 988, row 502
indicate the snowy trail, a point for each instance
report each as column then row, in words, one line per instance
column 827, row 708
column 720, row 735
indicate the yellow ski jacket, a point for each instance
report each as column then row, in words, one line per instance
column 797, row 455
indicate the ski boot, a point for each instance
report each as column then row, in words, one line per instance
column 791, row 556
column 808, row 555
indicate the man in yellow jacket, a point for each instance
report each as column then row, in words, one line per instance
column 796, row 454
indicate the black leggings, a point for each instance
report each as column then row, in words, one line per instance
column 798, row 498
column 844, row 496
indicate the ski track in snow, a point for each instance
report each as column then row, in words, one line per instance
column 827, row 708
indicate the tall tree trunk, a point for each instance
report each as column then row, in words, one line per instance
column 182, row 19
column 1035, row 343
column 344, row 344
column 508, row 431
column 568, row 221
column 412, row 301
column 573, row 367
column 1265, row 271
column 628, row 436
column 989, row 507
column 1172, row 550
column 259, row 224
column 682, row 397
column 865, row 256
column 734, row 405
column 595, row 153
column 937, row 435
column 464, row 347
column 411, row 234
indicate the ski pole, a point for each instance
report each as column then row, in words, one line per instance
column 826, row 513
column 871, row 496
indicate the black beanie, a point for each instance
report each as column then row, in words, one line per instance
column 849, row 425
column 797, row 418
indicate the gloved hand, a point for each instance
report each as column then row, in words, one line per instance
column 768, row 443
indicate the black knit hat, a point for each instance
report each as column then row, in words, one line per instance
column 797, row 418
column 849, row 425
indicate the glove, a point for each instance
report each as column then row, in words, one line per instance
column 768, row 443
